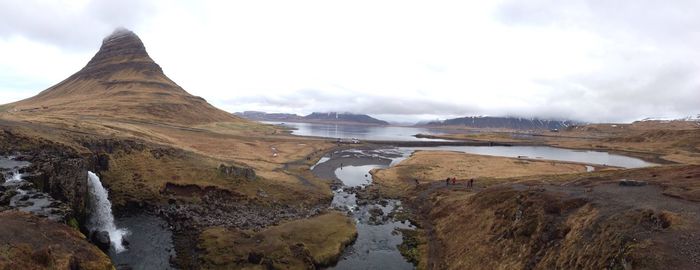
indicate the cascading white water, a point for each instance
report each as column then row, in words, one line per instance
column 101, row 218
column 15, row 177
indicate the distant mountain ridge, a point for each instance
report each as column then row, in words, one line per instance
column 503, row 122
column 263, row 116
column 315, row 117
column 695, row 118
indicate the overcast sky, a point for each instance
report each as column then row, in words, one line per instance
column 397, row 60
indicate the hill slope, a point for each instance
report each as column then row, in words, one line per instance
column 344, row 117
column 121, row 80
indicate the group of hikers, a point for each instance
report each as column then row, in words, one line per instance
column 453, row 180
column 469, row 183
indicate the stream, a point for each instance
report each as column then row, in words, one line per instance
column 378, row 235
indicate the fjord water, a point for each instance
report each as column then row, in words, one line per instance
column 393, row 133
column 546, row 153
column 101, row 218
column 361, row 132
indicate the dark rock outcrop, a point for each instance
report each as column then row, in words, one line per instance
column 109, row 146
column 237, row 172
column 192, row 190
column 632, row 183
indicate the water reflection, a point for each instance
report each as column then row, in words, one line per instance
column 362, row 132
column 546, row 152
column 354, row 176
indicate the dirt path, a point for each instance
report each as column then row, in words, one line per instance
column 614, row 198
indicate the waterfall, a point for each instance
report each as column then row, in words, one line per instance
column 101, row 218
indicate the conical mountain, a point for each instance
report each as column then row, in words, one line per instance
column 121, row 81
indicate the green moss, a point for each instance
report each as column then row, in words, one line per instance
column 409, row 248
column 73, row 223
column 401, row 215
column 299, row 244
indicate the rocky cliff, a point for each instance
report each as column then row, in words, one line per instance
column 55, row 169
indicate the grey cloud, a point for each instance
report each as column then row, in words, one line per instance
column 667, row 90
column 632, row 82
column 308, row 100
column 78, row 29
column 649, row 67
column 589, row 99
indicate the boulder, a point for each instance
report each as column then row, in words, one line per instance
column 101, row 240
column 255, row 257
column 261, row 193
column 237, row 172
column 7, row 196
